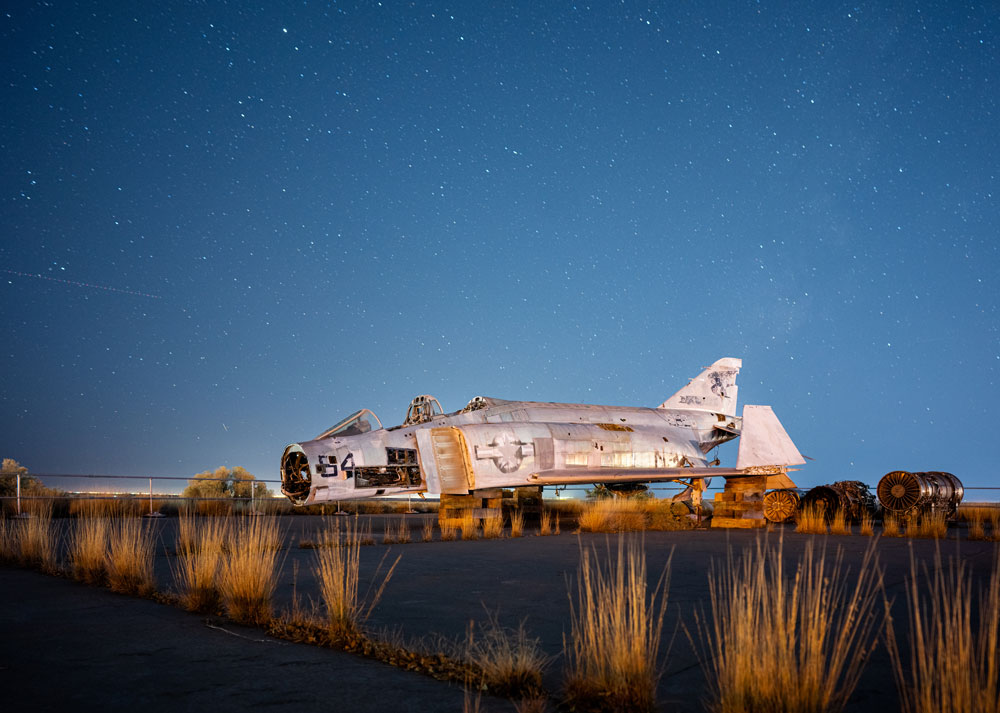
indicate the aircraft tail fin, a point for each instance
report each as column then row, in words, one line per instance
column 763, row 440
column 714, row 389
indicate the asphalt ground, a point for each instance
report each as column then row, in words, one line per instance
column 63, row 643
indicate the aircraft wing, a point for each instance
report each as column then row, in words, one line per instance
column 562, row 476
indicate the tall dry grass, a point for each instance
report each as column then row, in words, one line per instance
column 338, row 571
column 448, row 531
column 977, row 529
column 839, row 524
column 890, row 526
column 867, row 523
column 36, row 538
column 427, row 530
column 932, row 525
column 616, row 627
column 811, row 519
column 396, row 532
column 88, row 547
column 248, row 575
column 493, row 525
column 469, row 527
column 511, row 661
column 130, row 556
column 8, row 541
column 545, row 522
column 200, row 556
column 789, row 641
column 954, row 641
column 516, row 523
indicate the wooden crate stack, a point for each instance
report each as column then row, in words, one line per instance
column 741, row 503
column 479, row 504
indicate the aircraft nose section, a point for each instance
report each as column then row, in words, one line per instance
column 296, row 477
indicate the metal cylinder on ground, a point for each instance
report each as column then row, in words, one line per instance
column 852, row 497
column 781, row 505
column 904, row 493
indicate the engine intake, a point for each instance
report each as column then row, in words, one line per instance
column 906, row 493
column 296, row 477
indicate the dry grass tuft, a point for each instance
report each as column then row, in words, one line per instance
column 839, row 524
column 469, row 527
column 397, row 532
column 130, row 557
column 615, row 635
column 867, row 524
column 8, row 541
column 789, row 643
column 88, row 547
column 428, row 530
column 36, row 539
column 338, row 564
column 448, row 531
column 511, row 662
column 545, row 522
column 493, row 525
column 977, row 529
column 953, row 663
column 890, row 526
column 539, row 704
column 200, row 562
column 516, row 523
column 811, row 520
column 930, row 524
column 248, row 574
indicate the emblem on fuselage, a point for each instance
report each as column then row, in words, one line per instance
column 506, row 451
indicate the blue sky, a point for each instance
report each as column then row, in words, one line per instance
column 309, row 208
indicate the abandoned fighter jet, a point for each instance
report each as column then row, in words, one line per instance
column 492, row 443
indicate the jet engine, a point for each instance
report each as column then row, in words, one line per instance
column 781, row 505
column 851, row 496
column 905, row 493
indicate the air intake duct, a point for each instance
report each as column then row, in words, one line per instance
column 905, row 493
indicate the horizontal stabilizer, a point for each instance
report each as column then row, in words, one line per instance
column 764, row 440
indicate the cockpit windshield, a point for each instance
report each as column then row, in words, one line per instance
column 357, row 423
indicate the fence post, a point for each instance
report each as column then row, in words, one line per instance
column 19, row 494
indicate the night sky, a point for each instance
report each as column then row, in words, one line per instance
column 224, row 227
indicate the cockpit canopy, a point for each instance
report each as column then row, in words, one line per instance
column 357, row 423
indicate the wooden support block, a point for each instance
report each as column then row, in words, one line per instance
column 737, row 522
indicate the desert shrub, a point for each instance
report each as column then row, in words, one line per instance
column 616, row 626
column 249, row 570
column 891, row 527
column 789, row 643
column 954, row 641
column 130, row 557
column 427, row 530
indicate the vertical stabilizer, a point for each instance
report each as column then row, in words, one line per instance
column 714, row 389
column 763, row 440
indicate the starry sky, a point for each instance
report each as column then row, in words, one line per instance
column 226, row 226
